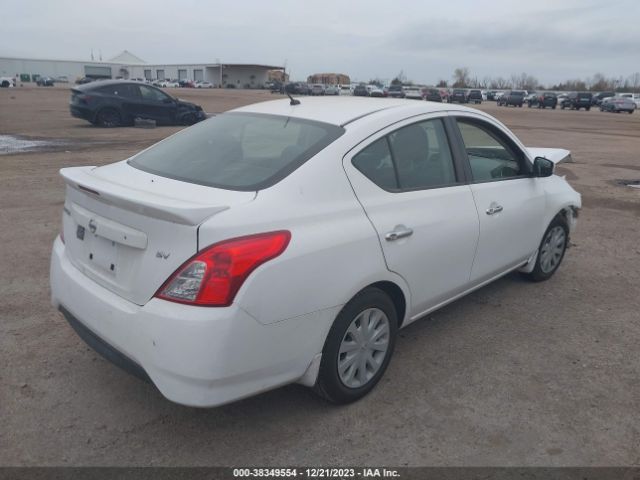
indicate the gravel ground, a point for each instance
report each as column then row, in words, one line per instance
column 513, row 374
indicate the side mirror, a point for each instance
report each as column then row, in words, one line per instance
column 542, row 167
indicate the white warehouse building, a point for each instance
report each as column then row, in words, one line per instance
column 128, row 66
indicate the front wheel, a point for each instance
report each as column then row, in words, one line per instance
column 551, row 251
column 358, row 347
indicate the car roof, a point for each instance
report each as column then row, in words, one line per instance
column 342, row 110
column 102, row 83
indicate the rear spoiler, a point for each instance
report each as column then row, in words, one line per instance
column 556, row 155
column 138, row 201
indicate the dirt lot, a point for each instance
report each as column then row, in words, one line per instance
column 513, row 374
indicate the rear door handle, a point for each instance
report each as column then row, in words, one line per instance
column 398, row 232
column 493, row 209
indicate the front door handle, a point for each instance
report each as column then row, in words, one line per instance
column 493, row 209
column 398, row 232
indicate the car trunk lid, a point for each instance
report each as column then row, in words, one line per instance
column 129, row 230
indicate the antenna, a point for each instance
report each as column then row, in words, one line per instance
column 293, row 100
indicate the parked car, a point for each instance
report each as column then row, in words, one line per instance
column 297, row 88
column 635, row 97
column 432, row 95
column 7, row 82
column 599, row 97
column 543, row 100
column 474, row 96
column 345, row 89
column 396, row 91
column 61, row 79
column 491, row 94
column 377, row 92
column 458, row 96
column 513, row 97
column 317, row 89
column 169, row 84
column 83, row 80
column 331, row 90
column 413, row 93
column 498, row 95
column 530, row 97
column 577, row 100
column 189, row 263
column 113, row 103
column 186, row 84
column 204, row 85
column 361, row 91
column 618, row 104
column 45, row 82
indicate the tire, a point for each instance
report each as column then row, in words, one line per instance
column 588, row 108
column 108, row 118
column 630, row 112
column 551, row 250
column 554, row 107
column 189, row 119
column 370, row 305
column 5, row 84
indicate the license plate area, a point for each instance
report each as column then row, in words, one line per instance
column 102, row 253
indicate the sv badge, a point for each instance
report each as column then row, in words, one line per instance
column 163, row 255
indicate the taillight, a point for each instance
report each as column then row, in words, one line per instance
column 214, row 276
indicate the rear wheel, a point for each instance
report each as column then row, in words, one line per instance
column 551, row 251
column 108, row 117
column 358, row 347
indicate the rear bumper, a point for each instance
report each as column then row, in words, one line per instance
column 80, row 112
column 195, row 356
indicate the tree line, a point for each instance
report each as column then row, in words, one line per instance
column 462, row 78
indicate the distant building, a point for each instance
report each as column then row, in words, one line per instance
column 278, row 76
column 329, row 79
column 128, row 66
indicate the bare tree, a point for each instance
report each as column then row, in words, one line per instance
column 442, row 84
column 461, row 77
column 634, row 81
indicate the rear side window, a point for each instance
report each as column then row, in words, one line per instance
column 238, row 151
column 414, row 157
column 120, row 90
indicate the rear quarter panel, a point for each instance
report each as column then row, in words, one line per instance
column 334, row 251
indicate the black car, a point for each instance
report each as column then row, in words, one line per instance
column 432, row 95
column 491, row 95
column 577, row 100
column 514, row 97
column 474, row 96
column 458, row 95
column 396, row 91
column 544, row 100
column 599, row 97
column 361, row 91
column 297, row 88
column 112, row 103
column 44, row 82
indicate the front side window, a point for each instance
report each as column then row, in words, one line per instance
column 238, row 151
column 411, row 158
column 490, row 157
column 152, row 94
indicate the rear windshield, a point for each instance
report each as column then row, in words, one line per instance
column 237, row 151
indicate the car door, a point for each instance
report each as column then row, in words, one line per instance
column 413, row 192
column 510, row 202
column 157, row 105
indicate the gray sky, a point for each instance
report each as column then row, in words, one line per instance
column 552, row 40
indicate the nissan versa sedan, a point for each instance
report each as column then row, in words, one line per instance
column 289, row 241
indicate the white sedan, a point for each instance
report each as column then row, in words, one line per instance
column 288, row 241
column 204, row 85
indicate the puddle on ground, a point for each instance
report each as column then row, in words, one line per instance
column 17, row 144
